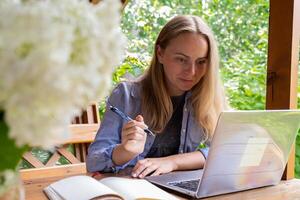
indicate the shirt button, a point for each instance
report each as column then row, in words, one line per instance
column 183, row 130
column 185, row 109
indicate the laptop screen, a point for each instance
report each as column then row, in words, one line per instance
column 249, row 149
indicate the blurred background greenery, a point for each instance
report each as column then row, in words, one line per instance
column 241, row 29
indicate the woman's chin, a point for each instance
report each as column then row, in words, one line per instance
column 186, row 87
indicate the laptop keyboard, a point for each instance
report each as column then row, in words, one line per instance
column 191, row 185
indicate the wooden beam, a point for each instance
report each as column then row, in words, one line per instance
column 32, row 160
column 68, row 155
column 283, row 50
column 28, row 175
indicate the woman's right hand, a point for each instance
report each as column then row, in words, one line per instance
column 133, row 136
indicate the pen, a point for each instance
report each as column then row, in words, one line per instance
column 127, row 118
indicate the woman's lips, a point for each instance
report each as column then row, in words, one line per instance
column 186, row 80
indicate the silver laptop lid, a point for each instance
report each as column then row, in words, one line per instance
column 249, row 150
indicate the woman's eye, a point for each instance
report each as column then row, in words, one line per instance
column 181, row 60
column 201, row 62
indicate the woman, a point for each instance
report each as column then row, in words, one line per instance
column 179, row 98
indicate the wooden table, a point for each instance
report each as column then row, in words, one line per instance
column 35, row 180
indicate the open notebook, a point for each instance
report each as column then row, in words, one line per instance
column 112, row 188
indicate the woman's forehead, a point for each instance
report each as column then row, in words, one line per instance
column 190, row 44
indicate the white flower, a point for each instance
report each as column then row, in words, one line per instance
column 9, row 178
column 56, row 56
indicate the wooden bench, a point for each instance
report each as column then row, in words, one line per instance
column 83, row 131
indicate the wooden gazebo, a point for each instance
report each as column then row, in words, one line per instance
column 282, row 76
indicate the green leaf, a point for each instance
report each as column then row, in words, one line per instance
column 10, row 154
column 201, row 145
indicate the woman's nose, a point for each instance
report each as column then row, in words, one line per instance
column 190, row 68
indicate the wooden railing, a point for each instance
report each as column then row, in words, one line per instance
column 83, row 132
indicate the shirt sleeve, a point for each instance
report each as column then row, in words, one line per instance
column 204, row 151
column 99, row 156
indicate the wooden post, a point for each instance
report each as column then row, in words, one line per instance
column 283, row 58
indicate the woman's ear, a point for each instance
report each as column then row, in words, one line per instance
column 160, row 54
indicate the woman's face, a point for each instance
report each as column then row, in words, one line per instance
column 184, row 61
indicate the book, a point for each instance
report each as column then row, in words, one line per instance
column 112, row 188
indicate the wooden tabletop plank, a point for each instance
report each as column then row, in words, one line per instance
column 285, row 190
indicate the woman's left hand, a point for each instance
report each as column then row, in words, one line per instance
column 156, row 166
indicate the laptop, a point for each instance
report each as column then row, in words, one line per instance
column 249, row 149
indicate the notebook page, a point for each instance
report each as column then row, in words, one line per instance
column 136, row 188
column 80, row 188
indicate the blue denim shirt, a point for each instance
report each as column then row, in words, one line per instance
column 126, row 97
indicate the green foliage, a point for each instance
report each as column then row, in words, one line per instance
column 44, row 156
column 10, row 153
column 101, row 108
column 201, row 145
column 240, row 27
column 130, row 68
column 297, row 163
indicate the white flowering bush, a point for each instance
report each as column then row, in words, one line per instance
column 56, row 56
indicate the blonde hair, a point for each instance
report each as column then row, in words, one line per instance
column 207, row 97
